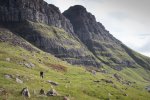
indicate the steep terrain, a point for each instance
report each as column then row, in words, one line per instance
column 76, row 83
column 104, row 46
column 35, row 36
column 60, row 42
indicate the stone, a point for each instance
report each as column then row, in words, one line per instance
column 125, row 94
column 117, row 77
column 97, row 81
column 147, row 88
column 66, row 98
column 7, row 76
column 93, row 72
column 8, row 59
column 52, row 92
column 53, row 83
column 107, row 81
column 29, row 65
column 3, row 92
column 19, row 81
column 25, row 92
column 42, row 92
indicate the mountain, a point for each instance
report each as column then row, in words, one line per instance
column 62, row 42
column 80, row 59
column 100, row 42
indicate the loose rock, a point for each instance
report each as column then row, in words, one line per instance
column 147, row 88
column 53, row 83
column 19, row 81
column 52, row 92
column 25, row 92
column 66, row 98
column 42, row 92
column 7, row 76
column 8, row 59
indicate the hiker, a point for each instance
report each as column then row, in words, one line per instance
column 41, row 74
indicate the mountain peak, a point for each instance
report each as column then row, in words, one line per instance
column 78, row 8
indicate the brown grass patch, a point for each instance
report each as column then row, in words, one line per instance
column 57, row 67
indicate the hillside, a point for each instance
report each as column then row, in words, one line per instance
column 77, row 83
column 80, row 59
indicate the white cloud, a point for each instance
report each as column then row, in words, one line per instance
column 127, row 20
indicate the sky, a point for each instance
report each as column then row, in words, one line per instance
column 127, row 20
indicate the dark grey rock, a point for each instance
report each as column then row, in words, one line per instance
column 66, row 98
column 33, row 10
column 42, row 92
column 147, row 88
column 52, row 92
column 25, row 92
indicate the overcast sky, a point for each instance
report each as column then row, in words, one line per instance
column 127, row 20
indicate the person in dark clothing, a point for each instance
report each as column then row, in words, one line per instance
column 42, row 74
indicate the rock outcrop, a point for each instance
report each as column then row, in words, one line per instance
column 33, row 10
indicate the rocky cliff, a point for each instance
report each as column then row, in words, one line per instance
column 74, row 36
column 17, row 16
column 93, row 34
column 33, row 10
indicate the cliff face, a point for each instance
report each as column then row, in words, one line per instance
column 55, row 41
column 74, row 36
column 18, row 15
column 98, row 40
column 33, row 10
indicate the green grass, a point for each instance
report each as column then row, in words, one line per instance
column 76, row 82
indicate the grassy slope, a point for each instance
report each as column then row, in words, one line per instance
column 75, row 82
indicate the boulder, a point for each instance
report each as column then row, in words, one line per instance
column 52, row 92
column 147, row 88
column 25, row 92
column 42, row 92
column 29, row 65
column 19, row 81
column 8, row 59
column 125, row 94
column 53, row 83
column 66, row 98
column 7, row 76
